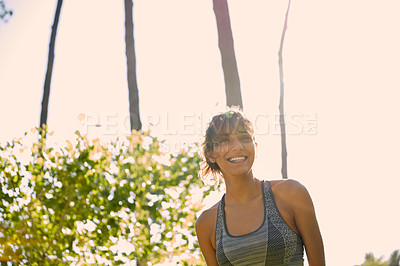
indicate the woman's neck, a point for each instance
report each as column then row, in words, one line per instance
column 241, row 190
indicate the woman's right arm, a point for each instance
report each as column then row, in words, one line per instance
column 205, row 227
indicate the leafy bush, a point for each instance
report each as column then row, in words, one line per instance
column 88, row 202
column 370, row 260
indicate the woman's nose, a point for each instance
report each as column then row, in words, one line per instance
column 236, row 144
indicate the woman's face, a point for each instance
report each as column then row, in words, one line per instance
column 234, row 153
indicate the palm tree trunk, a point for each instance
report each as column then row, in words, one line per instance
column 281, row 109
column 50, row 62
column 136, row 124
column 226, row 47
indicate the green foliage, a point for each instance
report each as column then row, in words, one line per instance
column 394, row 258
column 370, row 260
column 95, row 203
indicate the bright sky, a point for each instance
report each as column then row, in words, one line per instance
column 341, row 63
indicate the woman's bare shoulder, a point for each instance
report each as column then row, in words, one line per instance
column 205, row 230
column 208, row 217
column 288, row 186
column 290, row 192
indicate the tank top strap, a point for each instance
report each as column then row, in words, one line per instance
column 292, row 244
column 266, row 186
column 270, row 203
column 220, row 233
column 220, row 220
column 267, row 194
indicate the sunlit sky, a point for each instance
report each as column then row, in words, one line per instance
column 341, row 63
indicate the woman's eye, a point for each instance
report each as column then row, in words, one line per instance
column 221, row 142
column 246, row 138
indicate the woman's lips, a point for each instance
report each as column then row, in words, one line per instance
column 237, row 159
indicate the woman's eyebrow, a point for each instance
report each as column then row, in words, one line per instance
column 222, row 137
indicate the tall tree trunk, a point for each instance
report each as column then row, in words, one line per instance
column 226, row 47
column 136, row 124
column 281, row 109
column 49, row 71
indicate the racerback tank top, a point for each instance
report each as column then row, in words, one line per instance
column 273, row 243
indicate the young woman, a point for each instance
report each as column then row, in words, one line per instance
column 256, row 222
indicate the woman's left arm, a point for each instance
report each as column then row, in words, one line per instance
column 306, row 223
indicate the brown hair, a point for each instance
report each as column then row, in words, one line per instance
column 221, row 124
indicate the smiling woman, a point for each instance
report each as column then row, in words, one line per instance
column 227, row 130
column 256, row 222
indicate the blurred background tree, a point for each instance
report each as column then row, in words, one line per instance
column 370, row 260
column 228, row 58
column 50, row 64
column 281, row 99
column 133, row 89
column 88, row 202
column 394, row 259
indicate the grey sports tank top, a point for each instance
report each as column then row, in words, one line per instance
column 273, row 243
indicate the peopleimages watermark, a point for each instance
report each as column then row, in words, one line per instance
column 186, row 124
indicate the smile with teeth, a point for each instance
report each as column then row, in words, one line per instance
column 237, row 159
